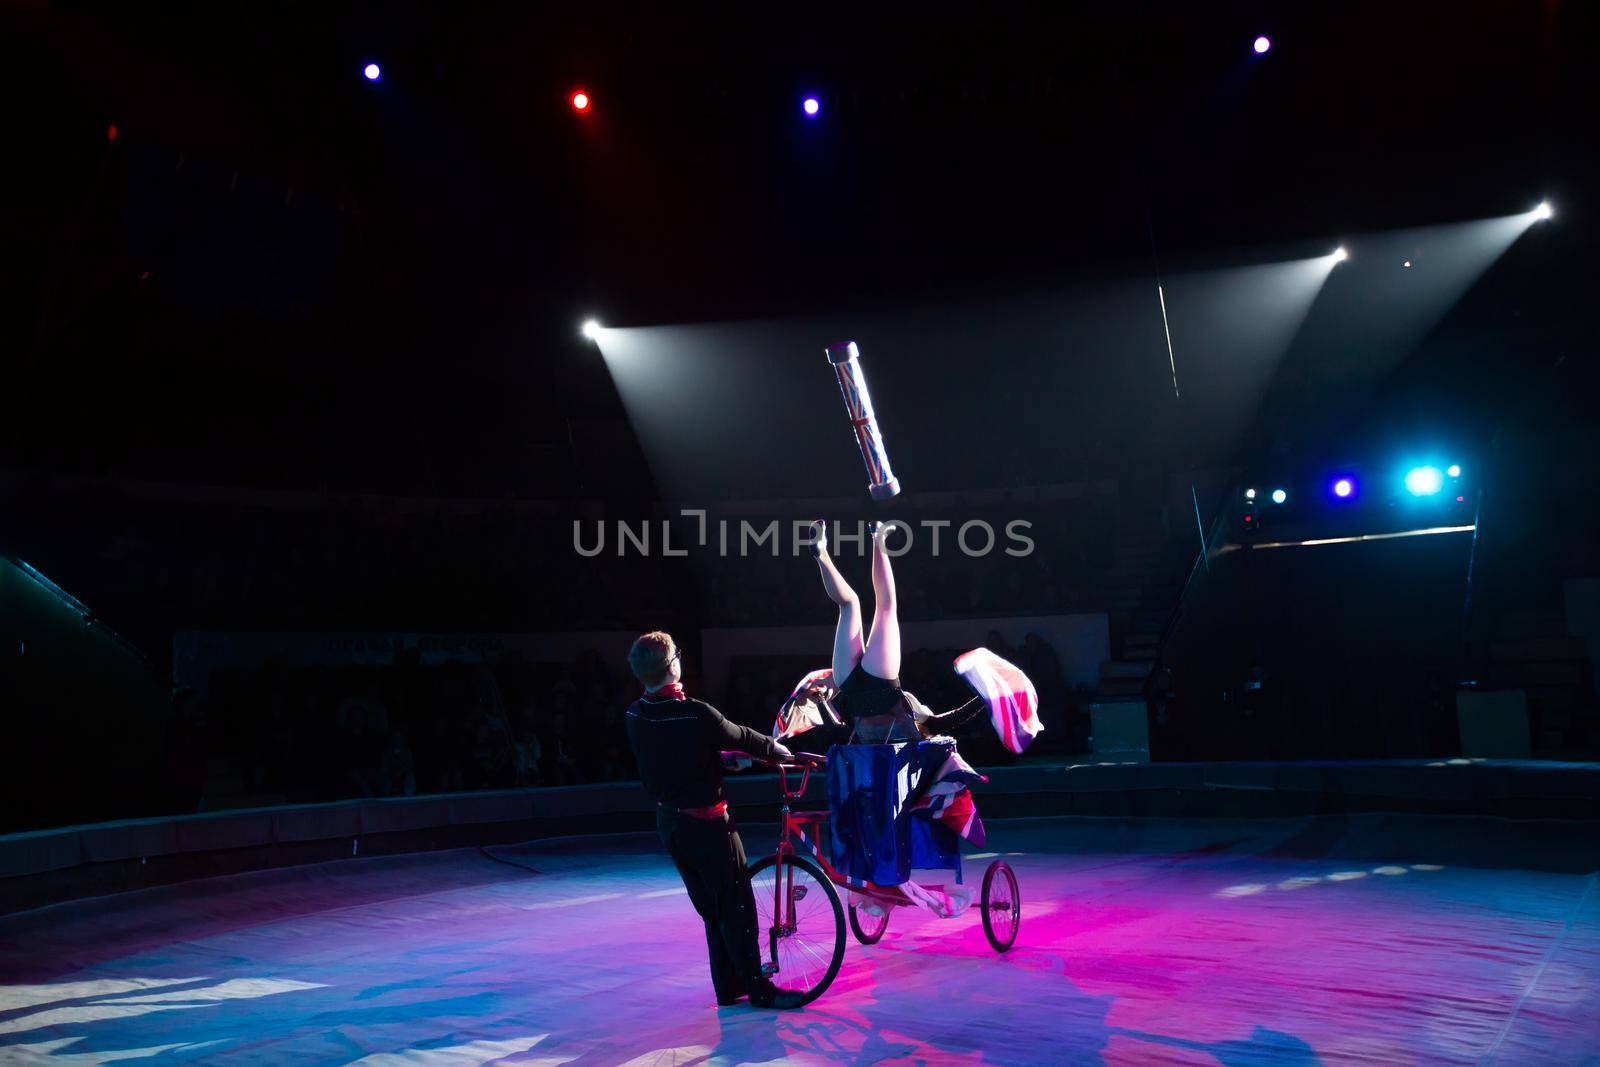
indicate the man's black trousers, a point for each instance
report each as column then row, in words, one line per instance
column 710, row 858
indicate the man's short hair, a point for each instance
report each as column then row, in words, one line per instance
column 650, row 658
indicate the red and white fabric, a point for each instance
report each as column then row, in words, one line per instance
column 1013, row 703
column 805, row 709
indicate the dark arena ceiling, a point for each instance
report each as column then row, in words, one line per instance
column 324, row 278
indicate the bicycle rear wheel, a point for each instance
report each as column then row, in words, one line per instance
column 1002, row 906
column 802, row 948
column 867, row 927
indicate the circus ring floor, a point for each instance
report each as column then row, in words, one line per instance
column 1342, row 939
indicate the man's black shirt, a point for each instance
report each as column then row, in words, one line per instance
column 679, row 743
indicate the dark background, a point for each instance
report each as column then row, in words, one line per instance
column 376, row 287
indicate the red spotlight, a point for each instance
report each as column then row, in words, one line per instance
column 111, row 133
column 580, row 101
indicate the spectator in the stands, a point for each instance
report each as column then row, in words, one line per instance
column 529, row 755
column 396, row 770
column 361, row 727
column 561, row 761
column 488, row 762
column 616, row 762
column 565, row 687
column 996, row 642
column 186, row 752
column 592, row 675
column 1043, row 667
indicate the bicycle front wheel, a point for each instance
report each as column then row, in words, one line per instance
column 799, row 924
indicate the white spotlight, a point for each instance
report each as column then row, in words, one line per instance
column 1543, row 211
column 591, row 329
column 1340, row 254
column 1249, row 494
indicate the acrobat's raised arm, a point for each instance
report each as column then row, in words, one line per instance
column 949, row 720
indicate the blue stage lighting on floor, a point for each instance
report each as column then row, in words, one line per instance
column 1279, row 496
column 371, row 72
column 1424, row 481
column 1344, row 488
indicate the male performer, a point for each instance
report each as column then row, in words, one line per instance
column 678, row 742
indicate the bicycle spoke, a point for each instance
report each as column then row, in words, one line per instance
column 798, row 966
column 793, row 965
column 813, row 953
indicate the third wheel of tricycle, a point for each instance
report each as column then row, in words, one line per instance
column 868, row 927
column 1002, row 906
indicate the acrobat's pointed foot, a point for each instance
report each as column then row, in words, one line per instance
column 819, row 536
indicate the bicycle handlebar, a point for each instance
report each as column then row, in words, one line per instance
column 802, row 761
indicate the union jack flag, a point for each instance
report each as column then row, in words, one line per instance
column 1013, row 703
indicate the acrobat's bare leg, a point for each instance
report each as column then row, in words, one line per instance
column 847, row 649
column 882, row 654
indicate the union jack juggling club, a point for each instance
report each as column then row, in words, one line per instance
column 846, row 361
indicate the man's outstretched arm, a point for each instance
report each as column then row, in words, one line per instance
column 730, row 735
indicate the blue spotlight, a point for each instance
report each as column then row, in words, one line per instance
column 1344, row 488
column 1261, row 45
column 1424, row 481
column 1279, row 496
column 811, row 106
column 1454, row 470
column 371, row 72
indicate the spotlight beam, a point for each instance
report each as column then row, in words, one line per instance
column 1367, row 324
column 1235, row 326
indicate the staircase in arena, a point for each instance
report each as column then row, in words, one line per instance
column 1142, row 585
column 1534, row 652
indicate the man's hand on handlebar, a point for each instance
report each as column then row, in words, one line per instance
column 781, row 756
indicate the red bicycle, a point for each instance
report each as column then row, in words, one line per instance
column 801, row 918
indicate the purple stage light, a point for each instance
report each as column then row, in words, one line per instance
column 1261, row 45
column 371, row 72
column 1344, row 488
column 811, row 106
